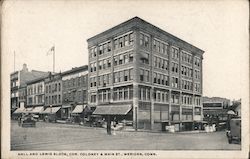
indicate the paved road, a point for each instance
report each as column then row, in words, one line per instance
column 52, row 136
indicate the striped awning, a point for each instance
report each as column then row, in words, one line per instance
column 78, row 109
column 112, row 109
column 29, row 109
column 19, row 110
column 37, row 109
column 51, row 110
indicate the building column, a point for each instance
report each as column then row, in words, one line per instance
column 180, row 110
column 135, row 106
column 169, row 109
column 193, row 111
column 152, row 108
column 135, row 78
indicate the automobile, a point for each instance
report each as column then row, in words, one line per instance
column 27, row 120
column 234, row 132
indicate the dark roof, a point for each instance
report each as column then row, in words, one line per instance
column 136, row 21
column 75, row 69
column 28, row 76
column 38, row 79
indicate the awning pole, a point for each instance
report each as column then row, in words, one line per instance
column 108, row 125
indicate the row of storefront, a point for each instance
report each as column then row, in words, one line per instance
column 70, row 114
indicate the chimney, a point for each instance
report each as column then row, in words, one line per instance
column 25, row 68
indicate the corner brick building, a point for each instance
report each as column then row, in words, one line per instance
column 141, row 73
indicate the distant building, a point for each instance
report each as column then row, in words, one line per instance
column 18, row 80
column 53, row 95
column 74, row 91
column 35, row 95
column 141, row 73
column 215, row 109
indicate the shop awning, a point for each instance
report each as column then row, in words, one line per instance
column 37, row 109
column 66, row 106
column 29, row 110
column 78, row 109
column 19, row 110
column 213, row 112
column 112, row 110
column 49, row 110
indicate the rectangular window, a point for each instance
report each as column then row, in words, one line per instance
column 116, row 60
column 131, row 57
column 126, row 38
column 104, row 64
column 155, row 62
column 146, row 42
column 144, row 93
column 141, row 75
column 126, row 75
column 100, row 49
column 109, row 46
column 121, row 76
column 131, row 38
column 100, row 65
column 116, row 77
column 131, row 74
column 120, row 94
column 95, row 66
column 121, row 42
column 166, row 80
column 166, row 64
column 161, row 48
column 166, row 49
column 125, row 93
column 162, row 80
column 158, row 79
column 154, row 45
column 109, row 62
column 115, row 94
column 130, row 92
column 126, row 60
column 116, row 43
column 148, row 94
column 120, row 59
column 157, row 46
column 105, row 48
column 146, row 74
column 155, row 77
column 141, row 39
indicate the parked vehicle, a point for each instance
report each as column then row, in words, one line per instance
column 234, row 132
column 27, row 120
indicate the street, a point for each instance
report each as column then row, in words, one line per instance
column 54, row 136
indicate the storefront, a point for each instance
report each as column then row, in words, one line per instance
column 51, row 114
column 112, row 113
column 78, row 113
column 65, row 112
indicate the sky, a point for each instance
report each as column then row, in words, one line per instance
column 220, row 28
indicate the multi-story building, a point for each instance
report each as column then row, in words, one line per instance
column 36, row 93
column 18, row 86
column 53, row 94
column 14, row 84
column 142, row 73
column 215, row 109
column 74, row 87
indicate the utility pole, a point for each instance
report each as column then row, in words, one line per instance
column 14, row 61
column 54, row 60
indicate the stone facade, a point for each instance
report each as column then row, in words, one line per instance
column 157, row 73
